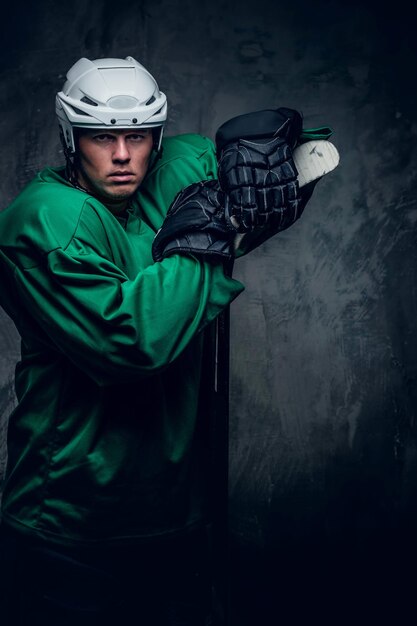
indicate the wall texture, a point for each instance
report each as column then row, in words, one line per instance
column 323, row 451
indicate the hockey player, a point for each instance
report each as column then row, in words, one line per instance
column 113, row 270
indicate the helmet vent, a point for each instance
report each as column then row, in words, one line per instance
column 151, row 99
column 89, row 101
column 79, row 112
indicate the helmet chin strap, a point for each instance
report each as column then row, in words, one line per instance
column 71, row 171
column 69, row 160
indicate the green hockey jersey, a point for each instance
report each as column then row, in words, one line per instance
column 107, row 442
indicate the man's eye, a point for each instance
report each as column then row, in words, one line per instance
column 136, row 137
column 103, row 138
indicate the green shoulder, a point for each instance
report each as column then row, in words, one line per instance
column 190, row 144
column 43, row 217
column 185, row 159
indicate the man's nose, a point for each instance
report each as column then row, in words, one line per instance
column 121, row 150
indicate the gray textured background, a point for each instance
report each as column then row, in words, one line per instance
column 323, row 459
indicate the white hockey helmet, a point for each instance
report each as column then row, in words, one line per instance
column 109, row 93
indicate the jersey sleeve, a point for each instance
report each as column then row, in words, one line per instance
column 117, row 329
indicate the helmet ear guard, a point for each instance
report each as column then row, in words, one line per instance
column 66, row 131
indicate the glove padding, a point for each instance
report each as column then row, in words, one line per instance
column 283, row 122
column 260, row 179
column 195, row 224
column 256, row 169
column 246, row 242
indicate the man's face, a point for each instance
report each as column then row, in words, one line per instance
column 111, row 163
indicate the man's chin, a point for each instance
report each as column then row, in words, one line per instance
column 118, row 193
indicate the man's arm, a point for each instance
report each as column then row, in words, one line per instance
column 258, row 192
column 257, row 188
column 116, row 329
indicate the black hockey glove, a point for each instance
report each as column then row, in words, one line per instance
column 256, row 169
column 195, row 224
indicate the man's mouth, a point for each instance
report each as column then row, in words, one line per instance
column 121, row 176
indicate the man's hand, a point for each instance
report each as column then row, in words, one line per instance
column 195, row 224
column 256, row 169
column 257, row 195
column 260, row 180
